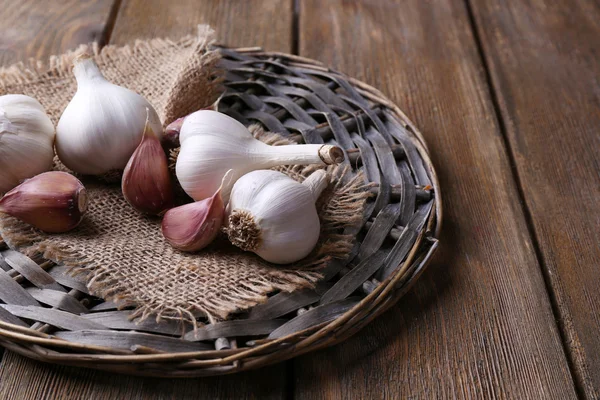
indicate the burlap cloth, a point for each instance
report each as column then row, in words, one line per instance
column 122, row 254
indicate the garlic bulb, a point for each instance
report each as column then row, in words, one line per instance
column 274, row 216
column 103, row 124
column 212, row 143
column 26, row 140
column 52, row 202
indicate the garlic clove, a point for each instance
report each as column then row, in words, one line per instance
column 53, row 202
column 193, row 226
column 171, row 136
column 146, row 182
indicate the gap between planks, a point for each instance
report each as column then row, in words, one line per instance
column 110, row 23
column 558, row 318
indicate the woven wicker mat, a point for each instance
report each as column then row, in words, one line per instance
column 121, row 253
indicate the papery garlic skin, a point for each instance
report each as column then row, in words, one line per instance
column 274, row 216
column 53, row 202
column 146, row 182
column 194, row 226
column 103, row 124
column 26, row 140
column 212, row 143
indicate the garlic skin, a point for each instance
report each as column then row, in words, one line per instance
column 171, row 135
column 26, row 140
column 103, row 124
column 53, row 202
column 212, row 143
column 274, row 216
column 146, row 182
column 194, row 226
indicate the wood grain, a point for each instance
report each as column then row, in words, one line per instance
column 479, row 323
column 34, row 29
column 238, row 23
column 544, row 63
column 252, row 23
column 26, row 379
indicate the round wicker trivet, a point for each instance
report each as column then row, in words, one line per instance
column 50, row 316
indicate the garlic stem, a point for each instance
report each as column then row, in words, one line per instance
column 316, row 183
column 86, row 71
column 303, row 154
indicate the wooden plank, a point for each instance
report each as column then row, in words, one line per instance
column 26, row 379
column 478, row 324
column 237, row 23
column 31, row 29
column 543, row 61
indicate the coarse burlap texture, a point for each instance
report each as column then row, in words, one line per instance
column 122, row 254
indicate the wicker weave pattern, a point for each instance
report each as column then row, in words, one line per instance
column 49, row 315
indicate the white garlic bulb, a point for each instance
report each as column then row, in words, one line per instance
column 212, row 143
column 26, row 140
column 274, row 216
column 103, row 124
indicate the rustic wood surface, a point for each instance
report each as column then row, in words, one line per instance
column 479, row 321
column 548, row 93
column 34, row 29
column 491, row 85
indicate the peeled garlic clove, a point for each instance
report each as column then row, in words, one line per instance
column 193, row 226
column 146, row 183
column 53, row 202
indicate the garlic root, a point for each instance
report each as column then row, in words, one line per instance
column 274, row 216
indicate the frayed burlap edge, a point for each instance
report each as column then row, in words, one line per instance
column 60, row 67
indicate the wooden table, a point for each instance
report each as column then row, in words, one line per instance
column 507, row 94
